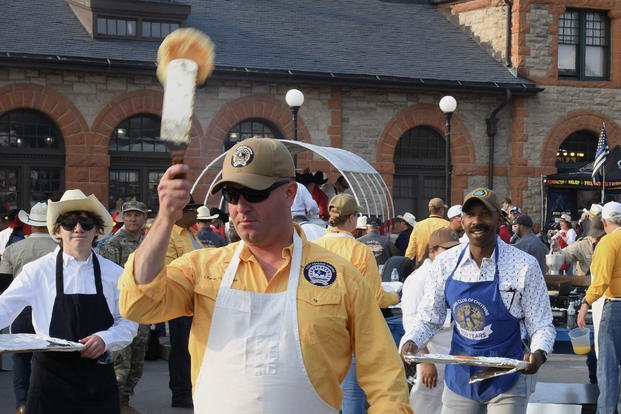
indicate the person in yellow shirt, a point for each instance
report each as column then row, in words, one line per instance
column 276, row 318
column 606, row 281
column 419, row 239
column 343, row 211
column 183, row 239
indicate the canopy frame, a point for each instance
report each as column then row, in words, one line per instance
column 366, row 184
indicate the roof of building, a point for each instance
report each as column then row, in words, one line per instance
column 406, row 41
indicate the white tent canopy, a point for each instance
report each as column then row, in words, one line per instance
column 365, row 182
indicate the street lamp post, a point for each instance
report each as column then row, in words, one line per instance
column 448, row 104
column 295, row 99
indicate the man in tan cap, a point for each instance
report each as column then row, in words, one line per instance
column 343, row 213
column 74, row 296
column 497, row 296
column 419, row 239
column 275, row 316
column 38, row 244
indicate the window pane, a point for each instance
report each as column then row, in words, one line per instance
column 101, row 25
column 124, row 186
column 567, row 57
column 420, row 145
column 153, row 180
column 45, row 184
column 131, row 28
column 122, row 25
column 250, row 128
column 595, row 61
column 595, row 29
column 146, row 29
column 165, row 29
column 26, row 128
column 568, row 28
column 8, row 189
column 139, row 133
column 155, row 30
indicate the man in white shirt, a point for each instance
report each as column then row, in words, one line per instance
column 304, row 204
column 73, row 294
column 426, row 394
column 497, row 296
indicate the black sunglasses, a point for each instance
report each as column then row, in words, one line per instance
column 86, row 222
column 231, row 195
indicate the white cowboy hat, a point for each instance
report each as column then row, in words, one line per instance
column 37, row 216
column 408, row 218
column 203, row 214
column 76, row 200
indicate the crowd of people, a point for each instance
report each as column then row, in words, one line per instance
column 281, row 300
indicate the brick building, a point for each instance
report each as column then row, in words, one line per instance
column 80, row 105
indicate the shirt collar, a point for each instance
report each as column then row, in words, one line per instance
column 68, row 259
column 40, row 236
column 468, row 259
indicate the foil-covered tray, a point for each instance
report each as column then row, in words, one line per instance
column 36, row 343
column 495, row 366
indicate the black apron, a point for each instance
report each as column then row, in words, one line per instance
column 64, row 382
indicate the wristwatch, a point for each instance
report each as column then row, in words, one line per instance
column 584, row 302
column 544, row 354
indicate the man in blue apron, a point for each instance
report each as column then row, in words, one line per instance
column 497, row 297
column 73, row 294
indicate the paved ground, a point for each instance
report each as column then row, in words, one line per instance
column 153, row 395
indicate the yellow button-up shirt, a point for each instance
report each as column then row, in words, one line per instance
column 181, row 242
column 419, row 239
column 606, row 268
column 362, row 258
column 334, row 320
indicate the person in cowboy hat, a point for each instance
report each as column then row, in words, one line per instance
column 73, row 294
column 276, row 318
column 402, row 227
column 38, row 244
column 206, row 234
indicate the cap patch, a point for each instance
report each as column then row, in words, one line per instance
column 320, row 273
column 242, row 156
column 481, row 192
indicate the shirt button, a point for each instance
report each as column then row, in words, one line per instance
column 314, row 300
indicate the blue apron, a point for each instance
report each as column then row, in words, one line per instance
column 483, row 327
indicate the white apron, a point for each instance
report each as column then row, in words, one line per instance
column 253, row 360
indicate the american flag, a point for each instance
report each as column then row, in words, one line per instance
column 600, row 154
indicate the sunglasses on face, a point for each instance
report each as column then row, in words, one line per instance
column 231, row 195
column 86, row 222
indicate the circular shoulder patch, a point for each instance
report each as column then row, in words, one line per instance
column 320, row 273
column 242, row 156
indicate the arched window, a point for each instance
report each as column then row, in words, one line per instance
column 33, row 159
column 138, row 160
column 577, row 150
column 250, row 128
column 419, row 170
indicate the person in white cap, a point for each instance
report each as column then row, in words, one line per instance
column 276, row 318
column 606, row 281
column 454, row 216
column 73, row 294
column 38, row 244
column 402, row 226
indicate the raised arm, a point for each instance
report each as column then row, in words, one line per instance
column 173, row 192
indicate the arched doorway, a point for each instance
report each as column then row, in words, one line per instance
column 33, row 159
column 138, row 159
column 419, row 170
column 573, row 190
column 250, row 128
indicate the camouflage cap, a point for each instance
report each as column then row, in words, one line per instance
column 134, row 206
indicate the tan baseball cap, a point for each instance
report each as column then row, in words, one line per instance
column 485, row 196
column 343, row 205
column 444, row 237
column 437, row 203
column 256, row 163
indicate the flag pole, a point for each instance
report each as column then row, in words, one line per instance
column 603, row 184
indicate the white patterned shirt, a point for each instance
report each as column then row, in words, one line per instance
column 522, row 287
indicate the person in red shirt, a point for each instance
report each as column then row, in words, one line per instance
column 312, row 182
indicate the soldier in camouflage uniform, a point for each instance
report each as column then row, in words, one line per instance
column 129, row 361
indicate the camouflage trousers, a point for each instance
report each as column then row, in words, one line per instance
column 129, row 362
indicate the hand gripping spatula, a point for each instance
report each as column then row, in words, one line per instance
column 184, row 59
